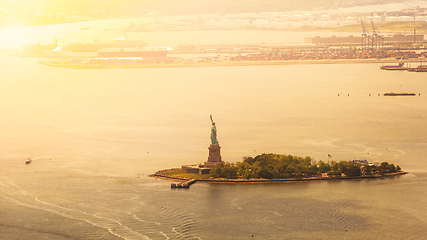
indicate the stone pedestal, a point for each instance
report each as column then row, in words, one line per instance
column 214, row 156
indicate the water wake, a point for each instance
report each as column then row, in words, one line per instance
column 21, row 197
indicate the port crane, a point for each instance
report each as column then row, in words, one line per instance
column 377, row 38
column 365, row 36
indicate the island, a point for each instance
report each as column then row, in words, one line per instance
column 270, row 167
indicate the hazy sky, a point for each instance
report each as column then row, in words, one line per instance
column 187, row 6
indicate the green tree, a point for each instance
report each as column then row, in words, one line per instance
column 276, row 166
column 334, row 173
column 249, row 160
column 313, row 170
column 243, row 170
column 368, row 170
column 216, row 170
column 391, row 167
column 323, row 167
column 384, row 165
column 353, row 170
column 383, row 168
column 343, row 166
column 229, row 171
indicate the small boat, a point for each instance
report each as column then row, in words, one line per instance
column 421, row 68
column 399, row 94
column 28, row 161
column 394, row 67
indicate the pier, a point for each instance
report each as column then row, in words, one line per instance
column 186, row 184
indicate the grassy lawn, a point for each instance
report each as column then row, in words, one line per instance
column 180, row 173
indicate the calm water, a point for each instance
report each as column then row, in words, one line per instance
column 13, row 37
column 95, row 136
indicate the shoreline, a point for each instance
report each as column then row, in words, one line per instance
column 161, row 175
column 225, row 64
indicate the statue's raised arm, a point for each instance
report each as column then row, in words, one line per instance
column 214, row 140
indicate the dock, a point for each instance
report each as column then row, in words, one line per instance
column 186, row 184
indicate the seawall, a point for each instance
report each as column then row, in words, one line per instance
column 161, row 174
column 225, row 63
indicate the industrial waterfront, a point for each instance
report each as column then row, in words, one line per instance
column 111, row 44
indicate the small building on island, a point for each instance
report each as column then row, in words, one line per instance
column 214, row 155
column 196, row 169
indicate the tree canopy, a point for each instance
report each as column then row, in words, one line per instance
column 279, row 166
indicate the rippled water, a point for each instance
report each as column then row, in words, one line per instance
column 95, row 136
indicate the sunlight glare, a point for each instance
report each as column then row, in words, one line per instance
column 14, row 37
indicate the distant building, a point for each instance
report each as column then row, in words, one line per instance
column 333, row 40
column 197, row 169
column 364, row 161
column 354, row 40
column 402, row 38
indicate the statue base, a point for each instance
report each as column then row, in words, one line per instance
column 214, row 156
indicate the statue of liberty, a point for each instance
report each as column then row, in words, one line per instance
column 214, row 140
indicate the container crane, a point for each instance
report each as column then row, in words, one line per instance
column 365, row 36
column 379, row 39
column 374, row 37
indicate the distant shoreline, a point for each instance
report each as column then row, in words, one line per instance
column 224, row 64
column 161, row 175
